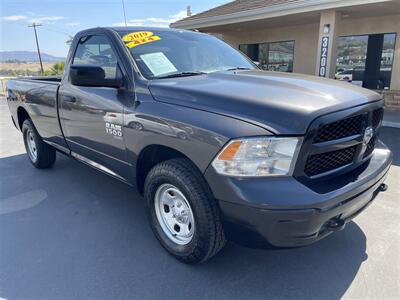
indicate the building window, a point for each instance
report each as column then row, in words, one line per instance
column 366, row 60
column 351, row 56
column 389, row 41
column 276, row 56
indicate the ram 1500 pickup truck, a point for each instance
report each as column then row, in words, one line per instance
column 218, row 148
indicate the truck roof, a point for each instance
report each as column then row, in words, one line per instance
column 131, row 29
column 135, row 28
column 142, row 28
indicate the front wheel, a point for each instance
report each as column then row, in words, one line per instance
column 182, row 211
column 40, row 154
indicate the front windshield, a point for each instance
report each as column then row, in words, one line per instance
column 160, row 54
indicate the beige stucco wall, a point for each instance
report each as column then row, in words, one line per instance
column 305, row 45
column 306, row 39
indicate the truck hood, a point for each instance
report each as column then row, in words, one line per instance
column 282, row 103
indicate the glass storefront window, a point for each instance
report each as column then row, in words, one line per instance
column 280, row 56
column 351, row 57
column 358, row 59
column 276, row 56
column 387, row 60
column 251, row 50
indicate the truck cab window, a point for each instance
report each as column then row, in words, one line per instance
column 96, row 50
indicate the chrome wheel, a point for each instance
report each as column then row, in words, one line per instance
column 174, row 214
column 32, row 148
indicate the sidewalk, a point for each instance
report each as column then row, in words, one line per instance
column 391, row 118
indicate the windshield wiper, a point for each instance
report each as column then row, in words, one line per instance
column 238, row 68
column 181, row 74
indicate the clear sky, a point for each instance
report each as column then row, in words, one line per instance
column 63, row 18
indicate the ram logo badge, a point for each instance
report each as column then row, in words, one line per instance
column 368, row 134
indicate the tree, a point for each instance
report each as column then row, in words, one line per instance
column 56, row 69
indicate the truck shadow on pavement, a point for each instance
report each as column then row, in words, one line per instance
column 88, row 238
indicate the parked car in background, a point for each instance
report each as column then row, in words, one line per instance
column 346, row 75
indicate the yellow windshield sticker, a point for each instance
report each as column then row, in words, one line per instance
column 134, row 39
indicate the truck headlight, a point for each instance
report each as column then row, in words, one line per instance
column 261, row 156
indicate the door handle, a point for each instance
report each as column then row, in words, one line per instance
column 71, row 99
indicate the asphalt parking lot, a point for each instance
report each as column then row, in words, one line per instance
column 74, row 233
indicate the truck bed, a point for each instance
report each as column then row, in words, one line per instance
column 38, row 97
column 51, row 79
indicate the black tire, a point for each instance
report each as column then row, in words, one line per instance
column 208, row 237
column 45, row 154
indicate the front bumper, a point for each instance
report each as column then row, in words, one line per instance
column 286, row 213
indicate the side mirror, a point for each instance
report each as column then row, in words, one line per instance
column 90, row 75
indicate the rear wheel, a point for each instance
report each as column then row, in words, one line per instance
column 182, row 211
column 40, row 154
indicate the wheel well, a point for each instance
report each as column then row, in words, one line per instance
column 151, row 156
column 22, row 115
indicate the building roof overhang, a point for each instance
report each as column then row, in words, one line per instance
column 278, row 10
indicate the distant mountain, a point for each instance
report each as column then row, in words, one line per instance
column 28, row 56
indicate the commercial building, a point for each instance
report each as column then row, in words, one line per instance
column 352, row 40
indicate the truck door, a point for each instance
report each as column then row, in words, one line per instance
column 92, row 117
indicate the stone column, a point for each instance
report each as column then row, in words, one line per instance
column 327, row 44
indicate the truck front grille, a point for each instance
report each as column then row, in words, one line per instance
column 377, row 116
column 334, row 145
column 325, row 162
column 339, row 129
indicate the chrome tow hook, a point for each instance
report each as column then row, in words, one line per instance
column 336, row 224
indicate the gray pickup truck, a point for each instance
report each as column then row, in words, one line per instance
column 219, row 149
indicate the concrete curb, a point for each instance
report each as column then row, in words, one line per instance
column 391, row 124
